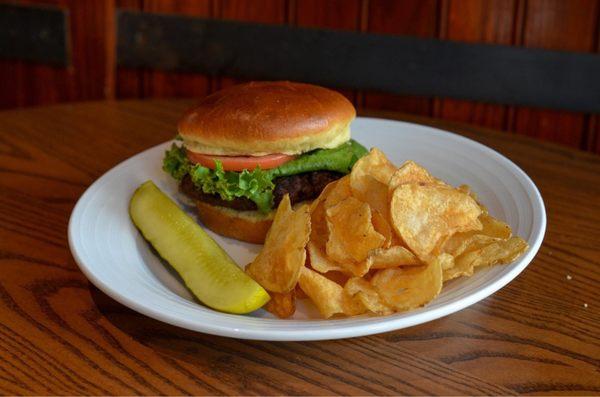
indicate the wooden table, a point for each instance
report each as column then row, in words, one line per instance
column 61, row 335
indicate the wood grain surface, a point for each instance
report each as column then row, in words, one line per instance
column 61, row 335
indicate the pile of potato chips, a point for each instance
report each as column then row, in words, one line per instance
column 379, row 240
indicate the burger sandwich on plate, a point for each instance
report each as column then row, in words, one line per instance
column 245, row 147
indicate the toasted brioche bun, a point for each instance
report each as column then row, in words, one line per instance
column 260, row 118
column 250, row 226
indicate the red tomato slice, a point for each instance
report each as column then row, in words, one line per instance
column 240, row 163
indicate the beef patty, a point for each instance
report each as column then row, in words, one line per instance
column 300, row 187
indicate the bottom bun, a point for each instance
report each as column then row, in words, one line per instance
column 250, row 226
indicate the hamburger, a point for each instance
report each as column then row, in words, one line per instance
column 242, row 149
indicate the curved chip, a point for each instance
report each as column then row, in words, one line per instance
column 445, row 260
column 317, row 214
column 424, row 216
column 492, row 230
column 461, row 243
column 318, row 259
column 351, row 232
column 371, row 191
column 383, row 227
column 327, row 295
column 494, row 227
column 411, row 172
column 283, row 305
column 374, row 164
column 340, row 191
column 277, row 266
column 405, row 288
column 385, row 258
column 369, row 179
column 361, row 290
column 498, row 252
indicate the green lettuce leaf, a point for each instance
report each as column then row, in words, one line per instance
column 257, row 185
column 176, row 162
column 339, row 159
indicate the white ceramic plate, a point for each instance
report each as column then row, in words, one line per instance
column 113, row 255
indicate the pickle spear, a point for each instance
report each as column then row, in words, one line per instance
column 207, row 270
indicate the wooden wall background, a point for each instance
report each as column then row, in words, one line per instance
column 570, row 25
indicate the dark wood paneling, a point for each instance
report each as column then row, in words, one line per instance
column 332, row 14
column 499, row 74
column 129, row 82
column 407, row 17
column 261, row 11
column 571, row 25
column 12, row 93
column 560, row 25
column 491, row 21
column 86, row 78
column 176, row 84
column 35, row 34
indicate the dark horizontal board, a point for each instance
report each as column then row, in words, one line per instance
column 37, row 34
column 396, row 64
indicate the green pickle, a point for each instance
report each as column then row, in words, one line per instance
column 207, row 270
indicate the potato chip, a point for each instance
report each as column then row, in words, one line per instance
column 445, row 260
column 318, row 226
column 318, row 259
column 371, row 191
column 374, row 164
column 320, row 262
column 385, row 258
column 351, row 233
column 361, row 290
column 368, row 180
column 424, row 216
column 319, row 201
column 498, row 252
column 317, row 212
column 492, row 229
column 340, row 191
column 330, row 196
column 316, row 249
column 461, row 243
column 411, row 172
column 278, row 264
column 283, row 305
column 328, row 296
column 383, row 227
column 405, row 288
column 319, row 232
column 467, row 189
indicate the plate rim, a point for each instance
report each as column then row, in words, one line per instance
column 381, row 324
